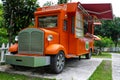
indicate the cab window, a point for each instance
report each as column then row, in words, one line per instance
column 48, row 21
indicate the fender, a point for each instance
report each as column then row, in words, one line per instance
column 54, row 49
column 13, row 48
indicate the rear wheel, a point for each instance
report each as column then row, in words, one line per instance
column 88, row 56
column 58, row 62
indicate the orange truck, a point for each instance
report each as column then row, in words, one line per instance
column 60, row 32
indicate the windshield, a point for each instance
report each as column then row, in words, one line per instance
column 48, row 21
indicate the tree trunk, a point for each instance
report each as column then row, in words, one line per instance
column 10, row 31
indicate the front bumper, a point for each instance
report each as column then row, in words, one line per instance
column 28, row 61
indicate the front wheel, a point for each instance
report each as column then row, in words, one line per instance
column 58, row 62
column 88, row 56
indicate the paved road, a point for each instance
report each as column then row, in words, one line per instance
column 74, row 70
column 116, row 66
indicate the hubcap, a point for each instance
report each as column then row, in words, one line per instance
column 60, row 62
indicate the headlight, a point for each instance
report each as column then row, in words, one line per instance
column 50, row 38
column 16, row 38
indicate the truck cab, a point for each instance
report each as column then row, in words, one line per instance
column 60, row 31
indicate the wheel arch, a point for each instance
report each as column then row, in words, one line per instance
column 54, row 49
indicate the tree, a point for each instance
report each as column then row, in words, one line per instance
column 3, row 31
column 48, row 3
column 110, row 29
column 62, row 1
column 18, row 14
column 1, row 16
column 3, row 36
column 116, row 30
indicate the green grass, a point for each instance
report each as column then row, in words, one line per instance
column 102, row 55
column 8, row 76
column 103, row 71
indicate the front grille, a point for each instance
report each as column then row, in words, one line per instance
column 31, row 41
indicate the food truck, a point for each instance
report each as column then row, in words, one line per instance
column 60, row 32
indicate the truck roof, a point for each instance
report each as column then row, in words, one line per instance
column 101, row 10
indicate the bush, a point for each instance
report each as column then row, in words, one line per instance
column 104, row 42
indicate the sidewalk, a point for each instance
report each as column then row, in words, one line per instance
column 115, row 66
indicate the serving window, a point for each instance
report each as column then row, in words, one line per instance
column 79, row 25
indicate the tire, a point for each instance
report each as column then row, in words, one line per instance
column 88, row 56
column 57, row 63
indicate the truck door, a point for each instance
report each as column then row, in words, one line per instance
column 65, row 29
column 64, row 34
column 71, row 34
